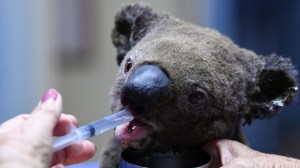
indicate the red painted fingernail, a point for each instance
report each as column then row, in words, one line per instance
column 50, row 96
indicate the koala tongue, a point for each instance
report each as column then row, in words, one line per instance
column 132, row 131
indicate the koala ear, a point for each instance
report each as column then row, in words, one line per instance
column 131, row 25
column 276, row 87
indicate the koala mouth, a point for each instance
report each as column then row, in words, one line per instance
column 129, row 134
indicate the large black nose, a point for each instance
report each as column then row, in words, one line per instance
column 144, row 87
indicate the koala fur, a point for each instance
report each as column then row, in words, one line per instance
column 215, row 86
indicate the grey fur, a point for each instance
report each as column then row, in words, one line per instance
column 234, row 81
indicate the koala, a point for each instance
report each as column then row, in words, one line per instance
column 185, row 84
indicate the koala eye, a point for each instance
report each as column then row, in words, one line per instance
column 128, row 65
column 196, row 98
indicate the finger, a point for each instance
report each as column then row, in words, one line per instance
column 64, row 124
column 235, row 148
column 83, row 152
column 226, row 150
column 75, row 154
column 213, row 150
column 44, row 117
column 58, row 166
column 241, row 162
column 15, row 122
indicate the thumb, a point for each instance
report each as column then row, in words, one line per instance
column 44, row 117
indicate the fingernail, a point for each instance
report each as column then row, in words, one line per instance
column 50, row 96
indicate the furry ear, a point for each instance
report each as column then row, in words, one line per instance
column 276, row 87
column 131, row 25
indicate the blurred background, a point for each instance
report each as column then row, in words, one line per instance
column 65, row 44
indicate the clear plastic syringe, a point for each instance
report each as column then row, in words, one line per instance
column 92, row 129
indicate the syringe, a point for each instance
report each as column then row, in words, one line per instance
column 89, row 130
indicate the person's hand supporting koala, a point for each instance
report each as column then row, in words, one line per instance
column 26, row 140
column 231, row 154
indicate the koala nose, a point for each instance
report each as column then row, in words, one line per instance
column 144, row 87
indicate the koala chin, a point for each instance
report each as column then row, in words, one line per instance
column 186, row 85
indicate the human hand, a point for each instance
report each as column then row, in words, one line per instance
column 26, row 140
column 231, row 154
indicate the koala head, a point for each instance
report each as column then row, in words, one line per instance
column 186, row 84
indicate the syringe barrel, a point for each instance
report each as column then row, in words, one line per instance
column 74, row 136
column 92, row 129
